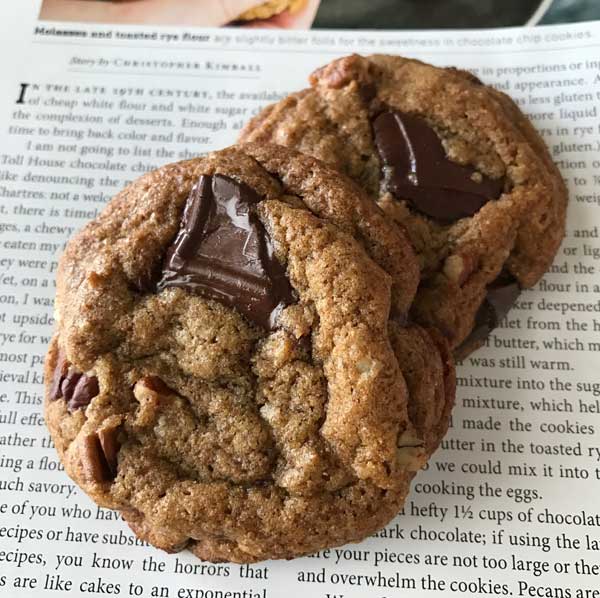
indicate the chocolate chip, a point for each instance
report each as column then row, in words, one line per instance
column 223, row 252
column 75, row 388
column 415, row 168
column 93, row 460
column 501, row 295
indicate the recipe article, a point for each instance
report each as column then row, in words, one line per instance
column 508, row 506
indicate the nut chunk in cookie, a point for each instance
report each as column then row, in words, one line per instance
column 452, row 160
column 232, row 368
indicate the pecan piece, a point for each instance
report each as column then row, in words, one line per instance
column 76, row 388
column 148, row 392
column 99, row 454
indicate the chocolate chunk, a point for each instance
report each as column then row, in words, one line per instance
column 501, row 295
column 415, row 167
column 223, row 252
column 75, row 388
column 97, row 466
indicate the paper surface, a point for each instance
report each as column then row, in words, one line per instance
column 508, row 506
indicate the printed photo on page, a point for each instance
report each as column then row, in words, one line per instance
column 322, row 14
column 283, row 14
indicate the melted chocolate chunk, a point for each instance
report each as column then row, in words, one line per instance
column 415, row 167
column 75, row 388
column 223, row 252
column 501, row 295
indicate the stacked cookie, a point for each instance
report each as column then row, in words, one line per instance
column 253, row 352
column 453, row 161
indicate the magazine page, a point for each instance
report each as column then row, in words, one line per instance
column 324, row 14
column 507, row 506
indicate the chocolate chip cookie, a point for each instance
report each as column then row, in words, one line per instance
column 451, row 159
column 271, row 8
column 233, row 368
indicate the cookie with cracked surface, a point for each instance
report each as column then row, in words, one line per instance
column 232, row 369
column 451, row 159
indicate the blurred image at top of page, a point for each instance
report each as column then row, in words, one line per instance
column 423, row 14
column 288, row 14
column 323, row 14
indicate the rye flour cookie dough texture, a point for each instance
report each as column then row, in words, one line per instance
column 233, row 368
column 454, row 161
